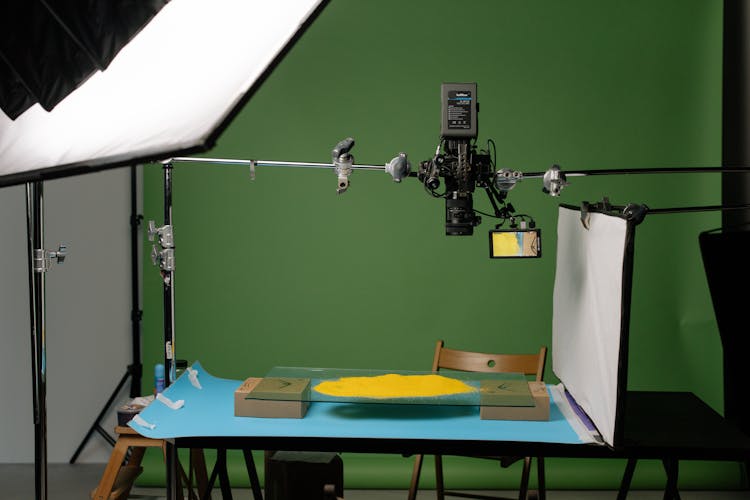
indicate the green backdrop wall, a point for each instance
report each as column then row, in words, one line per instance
column 282, row 271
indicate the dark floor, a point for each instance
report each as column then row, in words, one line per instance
column 75, row 482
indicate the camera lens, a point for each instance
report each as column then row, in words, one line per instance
column 459, row 215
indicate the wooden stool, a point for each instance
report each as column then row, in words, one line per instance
column 118, row 477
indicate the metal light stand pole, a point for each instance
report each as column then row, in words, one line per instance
column 39, row 263
column 35, row 232
column 136, row 314
column 164, row 258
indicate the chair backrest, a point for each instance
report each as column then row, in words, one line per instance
column 467, row 361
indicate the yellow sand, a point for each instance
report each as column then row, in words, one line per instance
column 393, row 386
column 505, row 244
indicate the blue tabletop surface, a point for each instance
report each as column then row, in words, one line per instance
column 209, row 411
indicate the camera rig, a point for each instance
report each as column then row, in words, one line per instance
column 464, row 168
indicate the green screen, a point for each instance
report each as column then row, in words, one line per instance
column 283, row 271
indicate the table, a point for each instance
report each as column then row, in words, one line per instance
column 669, row 426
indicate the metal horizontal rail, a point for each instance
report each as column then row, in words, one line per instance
column 265, row 163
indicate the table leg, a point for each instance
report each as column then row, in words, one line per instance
column 627, row 478
column 206, row 495
column 252, row 474
column 542, row 484
column 198, row 466
column 671, row 467
column 226, row 490
column 439, row 485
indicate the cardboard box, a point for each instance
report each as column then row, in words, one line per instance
column 538, row 412
column 505, row 393
column 272, row 398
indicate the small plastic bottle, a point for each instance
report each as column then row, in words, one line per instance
column 158, row 378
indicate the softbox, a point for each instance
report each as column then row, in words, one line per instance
column 49, row 49
column 82, row 93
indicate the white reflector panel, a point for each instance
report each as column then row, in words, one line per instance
column 588, row 319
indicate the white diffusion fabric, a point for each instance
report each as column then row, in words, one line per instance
column 166, row 91
column 587, row 312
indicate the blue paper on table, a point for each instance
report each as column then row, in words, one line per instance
column 209, row 411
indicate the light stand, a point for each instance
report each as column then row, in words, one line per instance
column 134, row 371
column 35, row 230
column 39, row 263
column 164, row 258
column 136, row 314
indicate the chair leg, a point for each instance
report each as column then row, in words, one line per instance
column 135, row 456
column 104, row 488
column 439, row 487
column 524, row 488
column 414, row 486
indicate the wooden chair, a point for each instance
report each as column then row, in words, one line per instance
column 528, row 364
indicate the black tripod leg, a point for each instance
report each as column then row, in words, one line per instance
column 96, row 425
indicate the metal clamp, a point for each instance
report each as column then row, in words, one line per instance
column 342, row 163
column 399, row 167
column 164, row 258
column 554, row 180
column 165, row 233
column 505, row 179
column 43, row 258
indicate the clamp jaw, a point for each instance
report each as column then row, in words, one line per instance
column 399, row 167
column 554, row 180
column 342, row 163
column 163, row 258
column 506, row 179
column 43, row 258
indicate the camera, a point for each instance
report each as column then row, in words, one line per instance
column 458, row 162
column 462, row 169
